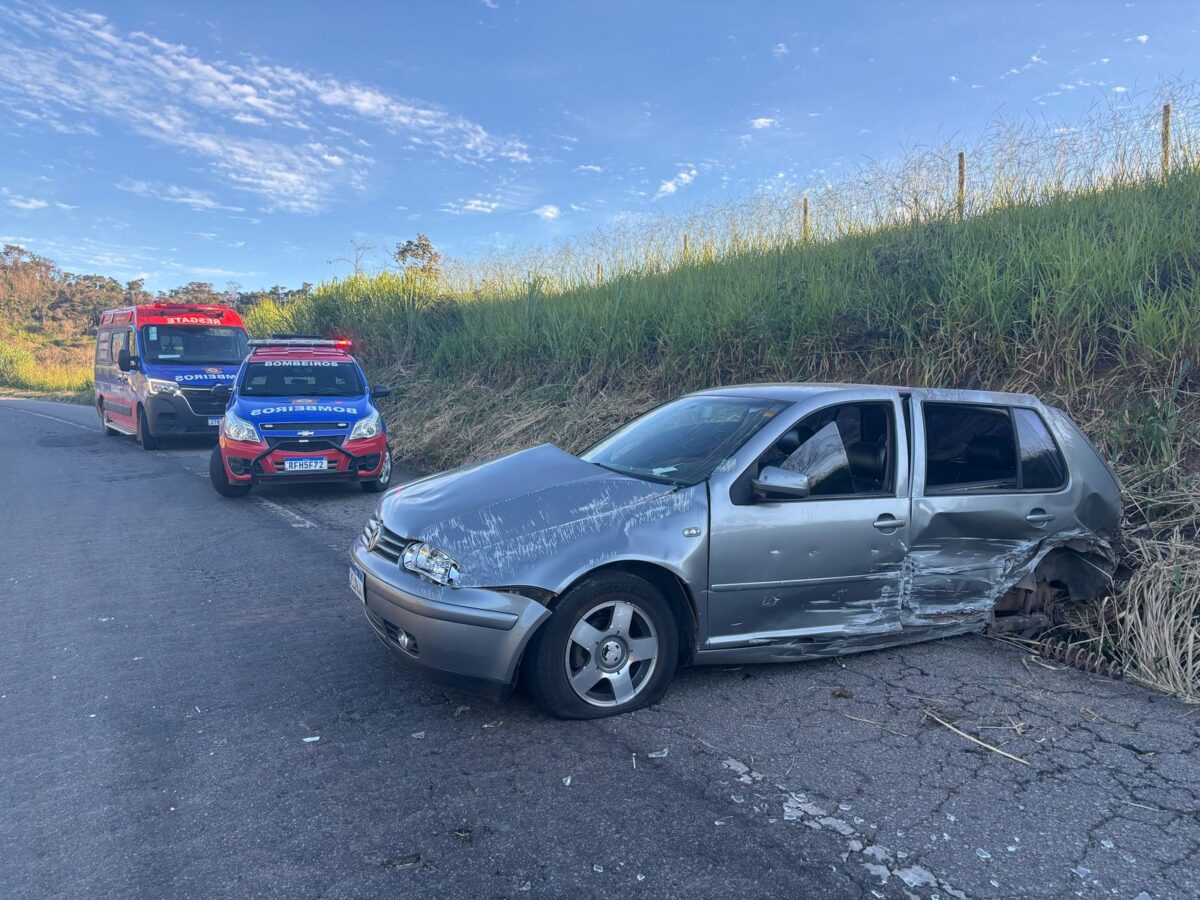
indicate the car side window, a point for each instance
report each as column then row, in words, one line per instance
column 1042, row 465
column 118, row 344
column 969, row 449
column 846, row 450
column 104, row 348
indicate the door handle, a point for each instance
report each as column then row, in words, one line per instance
column 1039, row 517
column 888, row 522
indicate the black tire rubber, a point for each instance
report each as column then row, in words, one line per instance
column 543, row 671
column 220, row 480
column 379, row 485
column 145, row 436
column 109, row 431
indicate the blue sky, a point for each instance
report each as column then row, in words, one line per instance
column 251, row 142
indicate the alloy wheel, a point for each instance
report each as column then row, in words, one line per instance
column 611, row 653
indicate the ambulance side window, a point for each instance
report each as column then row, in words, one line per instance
column 118, row 344
column 103, row 348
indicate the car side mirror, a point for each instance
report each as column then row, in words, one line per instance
column 124, row 362
column 774, row 480
column 221, row 391
column 380, row 390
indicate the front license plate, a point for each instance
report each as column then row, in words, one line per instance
column 356, row 584
column 306, row 465
column 214, row 421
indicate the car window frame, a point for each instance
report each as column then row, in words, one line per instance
column 966, row 490
column 895, row 492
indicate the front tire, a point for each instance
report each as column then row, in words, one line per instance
column 611, row 646
column 220, row 479
column 380, row 484
column 144, row 435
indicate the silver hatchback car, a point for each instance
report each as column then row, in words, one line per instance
column 758, row 523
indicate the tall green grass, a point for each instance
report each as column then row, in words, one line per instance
column 21, row 370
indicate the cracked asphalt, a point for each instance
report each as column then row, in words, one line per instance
column 164, row 654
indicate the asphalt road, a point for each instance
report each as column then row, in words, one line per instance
column 165, row 653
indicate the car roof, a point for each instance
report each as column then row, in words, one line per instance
column 795, row 391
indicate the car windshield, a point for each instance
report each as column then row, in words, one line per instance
column 683, row 441
column 193, row 344
column 304, row 377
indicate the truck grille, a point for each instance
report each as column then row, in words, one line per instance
column 203, row 403
column 303, row 445
column 303, row 426
column 388, row 544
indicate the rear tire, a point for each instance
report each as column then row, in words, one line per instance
column 145, row 436
column 611, row 646
column 380, row 484
column 220, row 479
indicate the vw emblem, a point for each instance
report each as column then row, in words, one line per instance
column 373, row 540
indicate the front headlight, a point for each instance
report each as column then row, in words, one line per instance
column 238, row 429
column 430, row 562
column 158, row 386
column 366, row 428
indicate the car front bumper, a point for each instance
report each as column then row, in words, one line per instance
column 469, row 638
column 359, row 460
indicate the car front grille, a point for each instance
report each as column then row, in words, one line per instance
column 203, row 403
column 384, row 542
column 304, row 445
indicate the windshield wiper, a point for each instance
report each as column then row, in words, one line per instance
column 644, row 476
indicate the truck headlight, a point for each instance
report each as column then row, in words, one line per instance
column 238, row 429
column 158, row 386
column 366, row 428
column 430, row 562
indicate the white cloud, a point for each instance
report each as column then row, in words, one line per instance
column 780, row 50
column 26, row 202
column 590, row 167
column 683, row 178
column 1142, row 38
column 490, row 4
column 548, row 211
column 954, row 78
column 474, row 205
column 762, row 122
column 172, row 193
column 1120, row 89
column 69, row 71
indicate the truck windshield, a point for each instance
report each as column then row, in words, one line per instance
column 302, row 377
column 194, row 344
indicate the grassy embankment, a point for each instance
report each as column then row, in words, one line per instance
column 58, row 373
column 1074, row 275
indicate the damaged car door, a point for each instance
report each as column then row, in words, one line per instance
column 802, row 563
column 990, row 487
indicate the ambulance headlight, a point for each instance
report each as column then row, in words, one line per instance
column 238, row 429
column 366, row 428
column 430, row 562
column 158, row 386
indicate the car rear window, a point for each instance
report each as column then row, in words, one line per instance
column 1042, row 466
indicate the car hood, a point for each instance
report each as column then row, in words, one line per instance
column 292, row 408
column 192, row 375
column 500, row 519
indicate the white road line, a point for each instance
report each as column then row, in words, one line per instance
column 30, row 412
column 294, row 519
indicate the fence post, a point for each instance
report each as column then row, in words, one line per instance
column 1166, row 141
column 960, row 198
column 805, row 228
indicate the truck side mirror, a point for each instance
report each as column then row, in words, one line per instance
column 221, row 391
column 380, row 390
column 124, row 362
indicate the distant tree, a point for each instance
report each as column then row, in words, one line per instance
column 195, row 292
column 418, row 254
column 360, row 250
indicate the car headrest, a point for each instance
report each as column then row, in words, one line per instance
column 990, row 451
column 792, row 440
column 866, row 460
